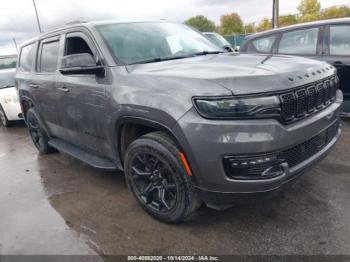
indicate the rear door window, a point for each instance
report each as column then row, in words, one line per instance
column 263, row 45
column 302, row 42
column 339, row 40
column 48, row 57
column 26, row 58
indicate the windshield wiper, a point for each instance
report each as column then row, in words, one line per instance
column 157, row 59
column 207, row 53
column 160, row 59
column 266, row 58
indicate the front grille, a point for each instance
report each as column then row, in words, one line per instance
column 306, row 100
column 302, row 104
column 311, row 91
column 252, row 167
column 301, row 152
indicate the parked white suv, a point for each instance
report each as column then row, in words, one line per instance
column 10, row 109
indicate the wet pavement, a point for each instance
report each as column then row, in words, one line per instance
column 54, row 204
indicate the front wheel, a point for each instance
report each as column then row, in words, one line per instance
column 158, row 180
column 38, row 134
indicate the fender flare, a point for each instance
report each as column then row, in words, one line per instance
column 150, row 123
column 140, row 121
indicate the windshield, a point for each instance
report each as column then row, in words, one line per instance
column 218, row 40
column 139, row 42
column 7, row 79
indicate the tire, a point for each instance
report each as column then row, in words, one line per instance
column 3, row 118
column 38, row 134
column 158, row 180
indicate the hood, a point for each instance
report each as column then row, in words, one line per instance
column 241, row 73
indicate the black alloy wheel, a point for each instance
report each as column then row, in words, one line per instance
column 37, row 133
column 158, row 179
column 154, row 182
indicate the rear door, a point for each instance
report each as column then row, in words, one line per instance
column 337, row 53
column 44, row 84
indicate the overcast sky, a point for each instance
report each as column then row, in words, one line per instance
column 17, row 17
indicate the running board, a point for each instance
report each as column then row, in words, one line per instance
column 88, row 158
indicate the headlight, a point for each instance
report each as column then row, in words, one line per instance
column 245, row 107
column 8, row 99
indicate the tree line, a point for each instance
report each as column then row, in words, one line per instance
column 231, row 23
column 6, row 66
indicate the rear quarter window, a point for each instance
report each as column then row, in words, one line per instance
column 26, row 58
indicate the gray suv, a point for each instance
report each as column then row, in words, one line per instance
column 188, row 123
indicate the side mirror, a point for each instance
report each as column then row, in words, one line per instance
column 228, row 48
column 80, row 64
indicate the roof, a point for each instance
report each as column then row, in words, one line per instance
column 309, row 24
column 87, row 25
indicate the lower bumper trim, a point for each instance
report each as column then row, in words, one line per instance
column 255, row 168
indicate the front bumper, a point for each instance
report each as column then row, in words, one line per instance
column 220, row 200
column 206, row 142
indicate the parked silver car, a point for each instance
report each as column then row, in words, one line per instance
column 10, row 109
column 219, row 40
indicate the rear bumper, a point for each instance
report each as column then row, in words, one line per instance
column 207, row 142
column 12, row 110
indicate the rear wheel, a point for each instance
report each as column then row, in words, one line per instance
column 3, row 119
column 158, row 180
column 38, row 134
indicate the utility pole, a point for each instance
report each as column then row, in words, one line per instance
column 37, row 17
column 14, row 41
column 275, row 13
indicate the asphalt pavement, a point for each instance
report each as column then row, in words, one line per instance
column 54, row 204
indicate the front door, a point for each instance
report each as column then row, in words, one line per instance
column 83, row 101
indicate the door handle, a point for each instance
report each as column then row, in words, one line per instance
column 63, row 89
column 338, row 63
column 34, row 86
